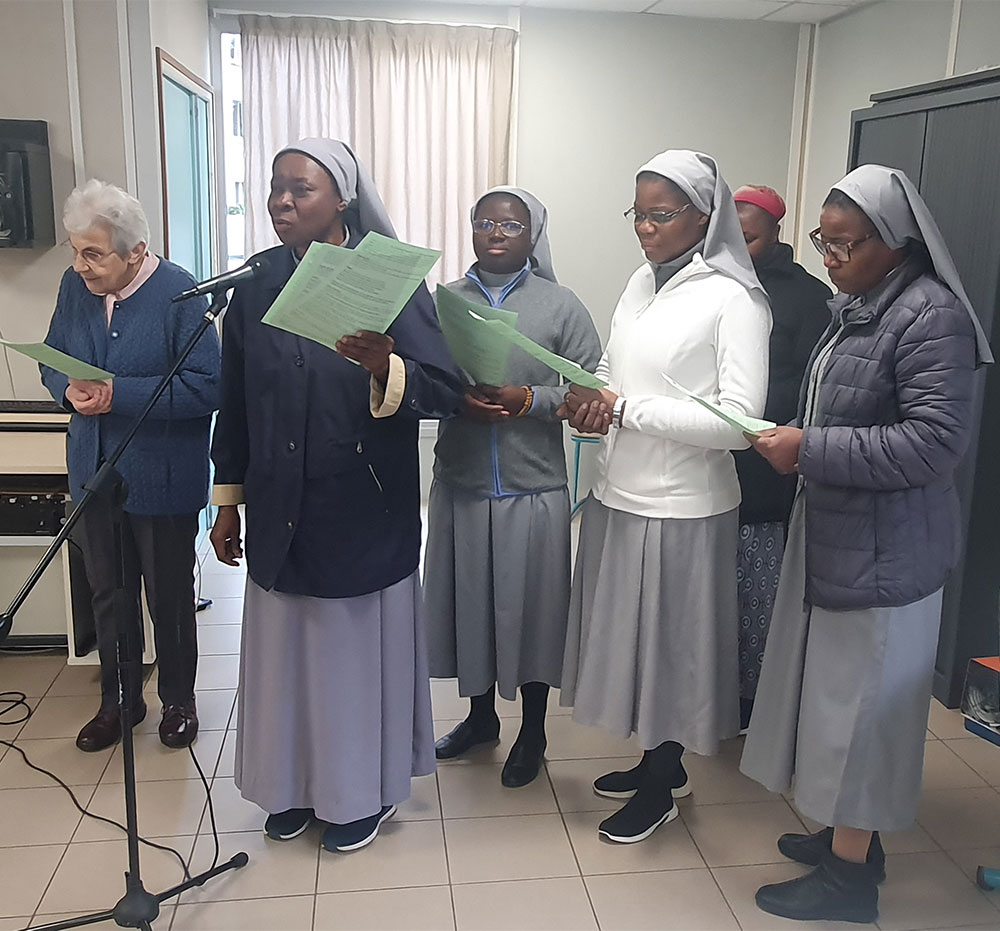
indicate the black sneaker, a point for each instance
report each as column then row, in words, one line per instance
column 640, row 817
column 811, row 848
column 835, row 891
column 357, row 834
column 288, row 824
column 625, row 783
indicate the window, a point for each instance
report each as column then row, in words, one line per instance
column 238, row 118
column 241, row 194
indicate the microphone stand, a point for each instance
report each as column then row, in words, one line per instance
column 137, row 908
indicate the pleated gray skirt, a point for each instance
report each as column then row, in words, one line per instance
column 841, row 707
column 334, row 709
column 496, row 588
column 652, row 641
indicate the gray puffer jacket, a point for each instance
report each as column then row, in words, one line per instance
column 891, row 421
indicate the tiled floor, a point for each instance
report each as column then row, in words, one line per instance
column 463, row 853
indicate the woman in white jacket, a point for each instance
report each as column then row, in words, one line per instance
column 652, row 646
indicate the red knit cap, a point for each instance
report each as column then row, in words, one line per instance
column 764, row 197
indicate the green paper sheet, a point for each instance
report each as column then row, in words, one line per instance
column 59, row 361
column 750, row 425
column 476, row 348
column 569, row 370
column 336, row 292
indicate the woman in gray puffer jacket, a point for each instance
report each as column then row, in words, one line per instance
column 885, row 415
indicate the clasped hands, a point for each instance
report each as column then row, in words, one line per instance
column 490, row 403
column 90, row 397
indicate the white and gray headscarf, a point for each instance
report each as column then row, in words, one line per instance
column 355, row 184
column 541, row 254
column 894, row 205
column 699, row 178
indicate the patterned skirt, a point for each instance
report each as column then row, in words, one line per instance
column 761, row 549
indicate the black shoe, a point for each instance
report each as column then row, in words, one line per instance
column 640, row 817
column 179, row 726
column 524, row 761
column 464, row 736
column 836, row 890
column 625, row 783
column 105, row 728
column 357, row 834
column 810, row 849
column 288, row 824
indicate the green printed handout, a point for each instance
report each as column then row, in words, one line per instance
column 569, row 370
column 54, row 359
column 740, row 422
column 336, row 292
column 474, row 347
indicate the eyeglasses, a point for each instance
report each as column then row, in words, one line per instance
column 841, row 251
column 658, row 217
column 508, row 228
column 91, row 257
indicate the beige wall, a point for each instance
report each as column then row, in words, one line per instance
column 180, row 27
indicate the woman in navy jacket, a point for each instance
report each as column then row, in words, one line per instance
column 334, row 701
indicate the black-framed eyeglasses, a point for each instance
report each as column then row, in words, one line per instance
column 659, row 217
column 841, row 251
column 508, row 228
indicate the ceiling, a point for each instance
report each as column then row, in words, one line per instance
column 786, row 11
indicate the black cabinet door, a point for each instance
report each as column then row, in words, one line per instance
column 894, row 141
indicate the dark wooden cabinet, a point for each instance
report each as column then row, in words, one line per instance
column 946, row 137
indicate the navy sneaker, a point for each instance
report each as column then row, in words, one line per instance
column 357, row 834
column 288, row 824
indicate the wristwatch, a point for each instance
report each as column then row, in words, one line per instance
column 617, row 412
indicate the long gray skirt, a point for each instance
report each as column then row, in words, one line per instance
column 842, row 703
column 334, row 709
column 496, row 588
column 652, row 641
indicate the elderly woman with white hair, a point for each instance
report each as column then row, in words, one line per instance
column 114, row 311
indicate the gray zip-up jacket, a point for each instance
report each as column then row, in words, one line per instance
column 891, row 419
column 522, row 455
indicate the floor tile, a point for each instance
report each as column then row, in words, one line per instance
column 403, row 854
column 16, row 924
column 24, row 874
column 233, row 813
column 216, row 709
column 681, row 900
column 219, row 639
column 426, row 909
column 981, row 755
column 718, row 780
column 447, row 704
column 573, row 781
column 424, row 804
column 59, row 717
column 164, row 809
column 91, row 876
column 476, row 792
column 528, row 905
column 670, row 848
column 217, row 672
column 519, row 847
column 226, row 765
column 218, row 585
column 60, row 756
column 289, row 913
column 512, row 709
column 221, row 611
column 970, row 859
column 39, row 816
column 276, row 868
column 571, row 741
column 913, row 840
column 166, row 913
column 943, row 769
column 927, row 890
column 77, row 680
column 157, row 763
column 739, row 884
column 740, row 835
column 945, row 723
column 484, row 753
column 958, row 818
column 29, row 674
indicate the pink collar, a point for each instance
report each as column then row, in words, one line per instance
column 149, row 265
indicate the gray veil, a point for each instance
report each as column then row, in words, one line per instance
column 541, row 254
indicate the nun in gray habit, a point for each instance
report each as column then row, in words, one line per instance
column 497, row 568
column 652, row 642
column 334, row 714
column 884, row 419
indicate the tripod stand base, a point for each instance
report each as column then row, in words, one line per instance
column 139, row 908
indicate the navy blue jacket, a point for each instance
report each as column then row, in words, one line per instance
column 332, row 494
column 166, row 465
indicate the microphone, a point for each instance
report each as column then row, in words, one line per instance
column 224, row 282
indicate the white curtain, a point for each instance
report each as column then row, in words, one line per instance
column 427, row 107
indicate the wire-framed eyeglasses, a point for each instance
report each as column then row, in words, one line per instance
column 508, row 228
column 658, row 217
